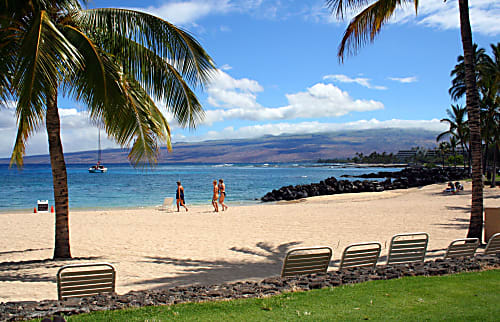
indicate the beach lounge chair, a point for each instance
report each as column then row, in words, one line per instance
column 167, row 204
column 360, row 255
column 493, row 246
column 463, row 247
column 303, row 261
column 81, row 280
column 408, row 248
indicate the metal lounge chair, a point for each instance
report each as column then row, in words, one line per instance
column 167, row 204
column 85, row 280
column 408, row 248
column 463, row 247
column 303, row 261
column 493, row 246
column 360, row 255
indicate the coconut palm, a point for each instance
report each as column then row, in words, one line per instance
column 488, row 80
column 116, row 62
column 367, row 24
column 458, row 128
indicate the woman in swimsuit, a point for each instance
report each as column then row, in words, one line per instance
column 215, row 196
column 179, row 195
column 222, row 190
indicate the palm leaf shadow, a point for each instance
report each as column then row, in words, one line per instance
column 21, row 271
column 206, row 272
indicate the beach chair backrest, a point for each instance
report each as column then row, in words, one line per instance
column 303, row 261
column 463, row 247
column 493, row 246
column 167, row 204
column 360, row 255
column 408, row 248
column 85, row 280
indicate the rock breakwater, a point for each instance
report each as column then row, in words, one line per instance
column 404, row 179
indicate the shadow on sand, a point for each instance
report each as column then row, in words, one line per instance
column 462, row 209
column 205, row 272
column 222, row 271
column 9, row 271
column 456, row 223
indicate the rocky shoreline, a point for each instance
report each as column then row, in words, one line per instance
column 404, row 179
column 12, row 311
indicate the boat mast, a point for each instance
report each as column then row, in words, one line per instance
column 99, row 147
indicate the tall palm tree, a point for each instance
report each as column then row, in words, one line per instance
column 114, row 61
column 367, row 24
column 488, row 80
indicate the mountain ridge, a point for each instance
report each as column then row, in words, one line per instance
column 269, row 148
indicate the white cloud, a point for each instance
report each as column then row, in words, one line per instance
column 445, row 15
column 226, row 67
column 77, row 134
column 254, row 131
column 190, row 11
column 237, row 99
column 187, row 12
column 404, row 80
column 227, row 92
column 365, row 82
column 431, row 13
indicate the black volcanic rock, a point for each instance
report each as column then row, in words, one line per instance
column 404, row 179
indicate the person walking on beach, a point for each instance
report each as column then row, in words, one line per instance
column 179, row 195
column 215, row 197
column 222, row 191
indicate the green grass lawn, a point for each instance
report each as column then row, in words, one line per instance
column 461, row 297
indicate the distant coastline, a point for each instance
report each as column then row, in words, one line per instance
column 338, row 145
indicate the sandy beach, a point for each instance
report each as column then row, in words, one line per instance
column 153, row 249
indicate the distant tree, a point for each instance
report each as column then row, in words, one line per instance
column 458, row 127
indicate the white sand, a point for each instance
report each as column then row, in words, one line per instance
column 152, row 249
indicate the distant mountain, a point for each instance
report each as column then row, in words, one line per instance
column 282, row 148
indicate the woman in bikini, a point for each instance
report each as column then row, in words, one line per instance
column 179, row 195
column 222, row 191
column 215, row 197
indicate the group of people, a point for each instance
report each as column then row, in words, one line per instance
column 219, row 194
column 454, row 187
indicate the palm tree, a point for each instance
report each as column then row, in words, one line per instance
column 114, row 61
column 444, row 149
column 368, row 23
column 488, row 80
column 458, row 128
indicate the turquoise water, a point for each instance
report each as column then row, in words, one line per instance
column 124, row 186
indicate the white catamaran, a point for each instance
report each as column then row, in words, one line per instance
column 98, row 168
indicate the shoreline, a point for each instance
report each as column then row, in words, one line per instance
column 155, row 249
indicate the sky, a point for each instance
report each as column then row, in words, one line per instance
column 278, row 71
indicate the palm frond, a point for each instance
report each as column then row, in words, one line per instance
column 161, row 80
column 367, row 24
column 97, row 82
column 175, row 45
column 341, row 7
column 140, row 121
column 43, row 54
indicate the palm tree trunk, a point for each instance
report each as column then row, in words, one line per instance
column 485, row 158
column 60, row 179
column 494, row 174
column 472, row 101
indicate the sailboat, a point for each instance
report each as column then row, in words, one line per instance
column 98, row 168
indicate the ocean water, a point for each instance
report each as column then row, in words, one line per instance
column 124, row 186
